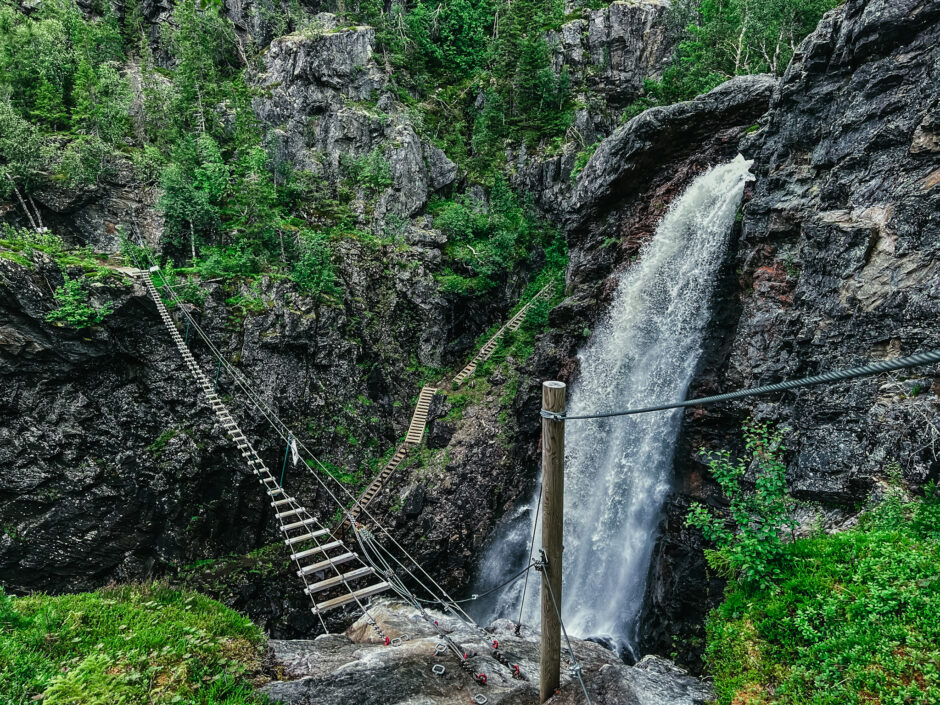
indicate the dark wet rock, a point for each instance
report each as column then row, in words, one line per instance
column 96, row 216
column 439, row 434
column 357, row 667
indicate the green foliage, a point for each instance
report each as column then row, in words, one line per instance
column 725, row 38
column 751, row 548
column 157, row 447
column 136, row 644
column 487, row 239
column 61, row 73
column 477, row 74
column 74, row 308
column 852, row 619
column 581, row 159
column 314, row 271
column 370, row 171
column 22, row 152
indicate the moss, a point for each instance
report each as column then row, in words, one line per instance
column 131, row 644
column 853, row 618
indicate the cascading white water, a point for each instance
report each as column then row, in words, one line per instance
column 618, row 470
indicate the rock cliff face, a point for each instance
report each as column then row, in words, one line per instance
column 606, row 54
column 835, row 264
column 114, row 471
column 838, row 264
column 114, row 467
column 328, row 102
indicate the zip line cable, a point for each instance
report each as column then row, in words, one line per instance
column 901, row 363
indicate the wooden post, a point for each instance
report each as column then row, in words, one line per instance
column 553, row 496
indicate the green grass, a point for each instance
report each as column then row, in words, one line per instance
column 855, row 618
column 126, row 645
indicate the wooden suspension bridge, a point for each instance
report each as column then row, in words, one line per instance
column 315, row 550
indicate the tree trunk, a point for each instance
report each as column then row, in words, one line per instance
column 19, row 197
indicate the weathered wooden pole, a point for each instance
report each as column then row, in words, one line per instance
column 553, row 496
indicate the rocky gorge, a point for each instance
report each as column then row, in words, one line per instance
column 115, row 470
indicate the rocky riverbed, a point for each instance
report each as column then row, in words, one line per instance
column 358, row 667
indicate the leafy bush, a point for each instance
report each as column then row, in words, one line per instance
column 314, row 271
column 750, row 548
column 581, row 160
column 137, row 644
column 852, row 619
column 74, row 308
column 370, row 171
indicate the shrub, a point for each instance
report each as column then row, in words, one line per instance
column 852, row 620
column 751, row 547
column 74, row 308
column 581, row 160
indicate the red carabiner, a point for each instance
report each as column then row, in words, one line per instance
column 481, row 678
column 387, row 641
column 495, row 644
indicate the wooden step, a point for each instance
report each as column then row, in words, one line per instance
column 310, row 551
column 337, row 560
column 298, row 524
column 298, row 539
column 319, row 549
column 289, row 513
column 339, row 580
column 352, row 597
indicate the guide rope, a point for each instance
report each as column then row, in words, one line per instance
column 535, row 524
column 576, row 666
column 901, row 363
column 281, row 429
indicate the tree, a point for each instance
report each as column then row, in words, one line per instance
column 193, row 188
column 314, row 271
column 751, row 546
column 23, row 155
column 102, row 102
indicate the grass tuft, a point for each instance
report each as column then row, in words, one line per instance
column 853, row 618
column 126, row 645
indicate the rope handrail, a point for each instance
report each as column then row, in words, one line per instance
column 901, row 363
column 451, row 606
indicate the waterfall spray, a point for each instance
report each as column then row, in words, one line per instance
column 618, row 471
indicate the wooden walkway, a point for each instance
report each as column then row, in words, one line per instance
column 300, row 531
column 419, row 419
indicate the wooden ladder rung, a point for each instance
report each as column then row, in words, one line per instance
column 342, row 558
column 298, row 539
column 339, row 580
column 352, row 597
column 319, row 549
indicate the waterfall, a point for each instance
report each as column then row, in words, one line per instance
column 618, row 471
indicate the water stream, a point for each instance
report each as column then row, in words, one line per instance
column 618, row 471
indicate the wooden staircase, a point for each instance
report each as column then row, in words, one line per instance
column 419, row 419
column 300, row 531
column 419, row 422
